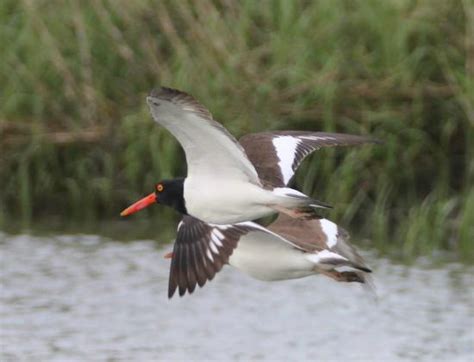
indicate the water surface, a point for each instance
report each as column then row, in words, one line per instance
column 68, row 298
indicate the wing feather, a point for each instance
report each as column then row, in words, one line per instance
column 318, row 235
column 207, row 144
column 277, row 155
column 200, row 251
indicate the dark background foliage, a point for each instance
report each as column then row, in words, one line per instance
column 77, row 141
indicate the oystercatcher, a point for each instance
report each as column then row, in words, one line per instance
column 222, row 185
column 288, row 248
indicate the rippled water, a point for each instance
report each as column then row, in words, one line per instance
column 88, row 298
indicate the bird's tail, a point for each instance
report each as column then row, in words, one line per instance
column 294, row 199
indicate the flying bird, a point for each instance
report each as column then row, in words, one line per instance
column 222, row 185
column 288, row 249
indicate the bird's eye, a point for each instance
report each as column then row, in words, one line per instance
column 159, row 187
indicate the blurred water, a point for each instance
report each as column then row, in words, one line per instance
column 71, row 298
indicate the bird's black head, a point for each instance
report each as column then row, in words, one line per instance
column 167, row 192
column 170, row 193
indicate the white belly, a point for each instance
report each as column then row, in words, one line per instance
column 226, row 201
column 264, row 257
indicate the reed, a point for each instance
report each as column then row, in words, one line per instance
column 77, row 140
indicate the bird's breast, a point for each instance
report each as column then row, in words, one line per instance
column 264, row 257
column 225, row 201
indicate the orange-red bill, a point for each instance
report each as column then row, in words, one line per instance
column 140, row 204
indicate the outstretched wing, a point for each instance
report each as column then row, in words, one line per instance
column 319, row 236
column 208, row 146
column 200, row 251
column 277, row 155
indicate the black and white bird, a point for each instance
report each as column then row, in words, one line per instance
column 289, row 248
column 222, row 185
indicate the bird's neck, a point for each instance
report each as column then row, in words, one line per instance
column 175, row 195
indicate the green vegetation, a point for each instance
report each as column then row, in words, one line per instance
column 77, row 140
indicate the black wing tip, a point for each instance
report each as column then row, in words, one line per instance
column 171, row 291
column 363, row 268
column 182, row 291
column 320, row 204
column 363, row 139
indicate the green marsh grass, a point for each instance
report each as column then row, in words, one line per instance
column 77, row 140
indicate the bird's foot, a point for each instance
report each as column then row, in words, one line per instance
column 345, row 276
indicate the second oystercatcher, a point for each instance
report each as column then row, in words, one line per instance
column 288, row 249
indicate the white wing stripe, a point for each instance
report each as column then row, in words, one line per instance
column 330, row 230
column 213, row 248
column 285, row 147
column 216, row 239
column 218, row 234
column 324, row 254
column 209, row 255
